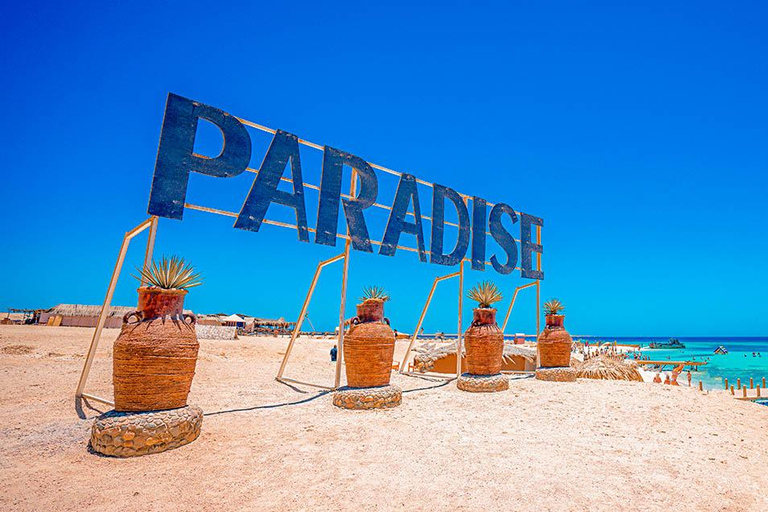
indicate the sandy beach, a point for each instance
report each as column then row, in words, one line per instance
column 589, row 445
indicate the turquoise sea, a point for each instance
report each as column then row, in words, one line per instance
column 739, row 363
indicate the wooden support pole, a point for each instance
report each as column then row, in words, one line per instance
column 459, row 334
column 738, row 383
column 732, row 390
column 744, row 390
column 701, row 386
column 303, row 314
column 726, row 384
column 421, row 318
column 758, row 391
column 763, row 382
column 149, row 223
column 538, row 294
column 343, row 302
column 512, row 304
column 751, row 383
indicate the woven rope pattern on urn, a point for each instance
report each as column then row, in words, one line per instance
column 154, row 356
column 369, row 347
column 484, row 343
column 554, row 343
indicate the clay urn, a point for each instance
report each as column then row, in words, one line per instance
column 369, row 346
column 154, row 356
column 484, row 343
column 554, row 342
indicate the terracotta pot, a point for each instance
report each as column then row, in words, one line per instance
column 370, row 311
column 554, row 320
column 369, row 347
column 484, row 343
column 154, row 356
column 554, row 343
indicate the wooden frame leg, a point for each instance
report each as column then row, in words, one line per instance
column 150, row 223
column 300, row 321
column 421, row 319
column 512, row 304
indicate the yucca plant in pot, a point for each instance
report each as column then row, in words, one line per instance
column 483, row 340
column 554, row 341
column 552, row 310
column 155, row 355
column 369, row 346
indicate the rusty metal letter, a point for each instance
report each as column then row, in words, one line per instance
column 439, row 196
column 527, row 247
column 283, row 150
column 503, row 238
column 479, row 223
column 175, row 158
column 407, row 191
column 330, row 192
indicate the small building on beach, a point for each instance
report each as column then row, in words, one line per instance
column 80, row 315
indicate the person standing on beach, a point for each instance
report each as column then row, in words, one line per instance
column 334, row 353
column 689, row 378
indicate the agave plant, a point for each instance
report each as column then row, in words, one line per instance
column 485, row 294
column 170, row 274
column 374, row 293
column 553, row 307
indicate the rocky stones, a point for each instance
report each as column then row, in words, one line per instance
column 384, row 397
column 130, row 434
column 556, row 374
column 482, row 383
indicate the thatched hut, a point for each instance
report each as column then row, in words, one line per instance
column 79, row 315
column 271, row 326
column 607, row 368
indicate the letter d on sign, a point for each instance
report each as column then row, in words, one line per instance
column 175, row 158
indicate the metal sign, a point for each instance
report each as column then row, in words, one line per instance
column 176, row 160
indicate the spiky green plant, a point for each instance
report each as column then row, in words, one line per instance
column 170, row 274
column 485, row 294
column 553, row 307
column 374, row 293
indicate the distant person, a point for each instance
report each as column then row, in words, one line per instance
column 666, row 378
column 689, row 378
column 657, row 378
column 334, row 353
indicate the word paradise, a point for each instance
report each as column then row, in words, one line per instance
column 176, row 160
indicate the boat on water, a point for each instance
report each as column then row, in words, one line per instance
column 673, row 343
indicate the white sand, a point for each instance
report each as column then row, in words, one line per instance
column 589, row 445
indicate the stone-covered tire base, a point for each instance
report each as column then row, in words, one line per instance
column 384, row 397
column 130, row 434
column 482, row 383
column 556, row 374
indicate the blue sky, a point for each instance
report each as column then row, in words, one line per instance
column 637, row 132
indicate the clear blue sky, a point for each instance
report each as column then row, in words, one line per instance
column 638, row 133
